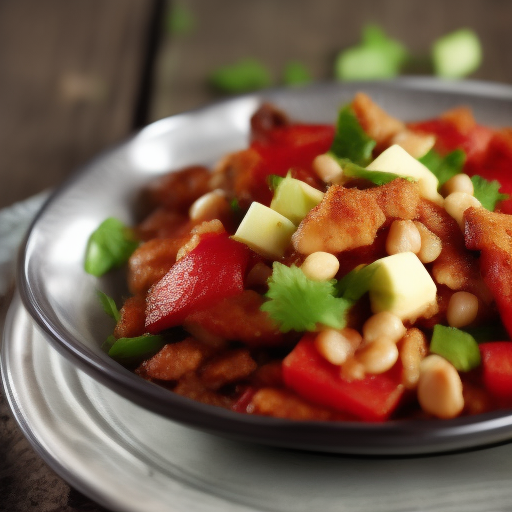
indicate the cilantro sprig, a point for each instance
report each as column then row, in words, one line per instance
column 301, row 304
column 444, row 167
column 488, row 192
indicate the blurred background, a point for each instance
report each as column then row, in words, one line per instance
column 77, row 76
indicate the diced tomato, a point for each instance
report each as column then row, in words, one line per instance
column 373, row 398
column 212, row 271
column 497, row 368
column 289, row 146
column 244, row 400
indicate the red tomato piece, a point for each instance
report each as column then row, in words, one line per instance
column 212, row 271
column 373, row 398
column 497, row 368
column 290, row 146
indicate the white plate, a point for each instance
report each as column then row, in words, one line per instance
column 129, row 459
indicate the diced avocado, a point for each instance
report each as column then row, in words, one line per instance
column 396, row 160
column 402, row 286
column 294, row 198
column 265, row 231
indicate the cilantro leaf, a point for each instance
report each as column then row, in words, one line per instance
column 109, row 306
column 445, row 167
column 139, row 346
column 300, row 304
column 109, row 246
column 350, row 140
column 487, row 192
column 242, row 76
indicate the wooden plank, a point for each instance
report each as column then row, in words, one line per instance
column 70, row 83
column 313, row 33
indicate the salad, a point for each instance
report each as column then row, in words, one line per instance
column 356, row 271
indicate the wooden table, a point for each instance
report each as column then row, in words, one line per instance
column 78, row 76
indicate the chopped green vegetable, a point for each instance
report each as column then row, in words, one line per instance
column 296, row 73
column 457, row 54
column 350, row 140
column 243, row 76
column 181, row 20
column 487, row 192
column 109, row 306
column 351, row 170
column 445, row 167
column 301, row 304
column 458, row 347
column 109, row 246
column 377, row 57
column 356, row 283
column 140, row 346
column 274, row 180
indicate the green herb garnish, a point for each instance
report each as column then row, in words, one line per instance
column 139, row 346
column 458, row 347
column 444, row 167
column 351, row 142
column 301, row 304
column 487, row 192
column 109, row 246
column 243, row 76
column 351, row 170
column 296, row 73
column 109, row 306
column 356, row 283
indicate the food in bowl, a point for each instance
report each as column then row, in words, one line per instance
column 360, row 271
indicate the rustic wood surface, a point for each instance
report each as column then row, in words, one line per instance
column 77, row 76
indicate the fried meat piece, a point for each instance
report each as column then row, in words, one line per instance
column 132, row 318
column 454, row 267
column 398, row 199
column 176, row 191
column 386, row 130
column 191, row 386
column 231, row 366
column 175, row 360
column 239, row 318
column 344, row 220
column 151, row 261
column 281, row 403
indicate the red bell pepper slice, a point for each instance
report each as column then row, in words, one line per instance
column 212, row 271
column 310, row 375
column 497, row 368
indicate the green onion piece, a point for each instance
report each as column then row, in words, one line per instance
column 356, row 283
column 445, row 167
column 243, row 76
column 296, row 73
column 458, row 347
column 301, row 304
column 457, row 54
column 140, row 346
column 109, row 306
column 109, row 246
column 487, row 192
column 351, row 142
